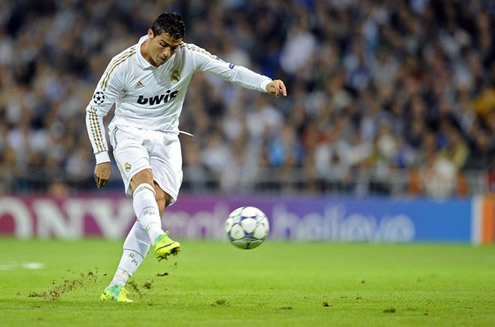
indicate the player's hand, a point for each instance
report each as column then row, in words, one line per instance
column 277, row 88
column 102, row 174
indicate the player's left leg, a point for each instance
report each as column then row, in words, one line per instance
column 133, row 161
column 136, row 247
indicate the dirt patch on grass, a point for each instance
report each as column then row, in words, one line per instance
column 219, row 302
column 285, row 308
column 134, row 285
column 148, row 284
column 68, row 285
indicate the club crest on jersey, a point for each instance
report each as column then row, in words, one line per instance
column 98, row 97
column 157, row 99
column 175, row 77
column 127, row 166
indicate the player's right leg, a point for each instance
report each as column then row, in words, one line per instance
column 132, row 149
column 145, row 204
column 166, row 163
column 146, row 200
column 165, row 246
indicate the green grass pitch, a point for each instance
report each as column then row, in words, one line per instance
column 277, row 284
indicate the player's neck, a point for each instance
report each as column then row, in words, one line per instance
column 145, row 53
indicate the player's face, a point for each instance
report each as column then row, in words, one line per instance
column 162, row 47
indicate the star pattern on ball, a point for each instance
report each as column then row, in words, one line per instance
column 99, row 97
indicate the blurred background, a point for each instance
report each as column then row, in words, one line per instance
column 386, row 98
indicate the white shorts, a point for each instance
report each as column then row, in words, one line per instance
column 135, row 149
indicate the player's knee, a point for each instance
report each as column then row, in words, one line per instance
column 143, row 177
column 143, row 187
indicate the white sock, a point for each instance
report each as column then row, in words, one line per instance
column 120, row 278
column 136, row 247
column 146, row 210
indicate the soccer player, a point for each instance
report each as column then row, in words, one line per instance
column 147, row 83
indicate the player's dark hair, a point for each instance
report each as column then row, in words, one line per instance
column 171, row 23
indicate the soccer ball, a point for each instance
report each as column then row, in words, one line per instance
column 247, row 227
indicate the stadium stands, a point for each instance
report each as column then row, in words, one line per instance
column 385, row 97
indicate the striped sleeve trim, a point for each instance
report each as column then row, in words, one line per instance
column 120, row 59
column 96, row 130
column 193, row 47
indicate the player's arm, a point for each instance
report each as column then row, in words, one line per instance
column 204, row 61
column 105, row 95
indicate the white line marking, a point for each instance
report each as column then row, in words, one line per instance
column 22, row 265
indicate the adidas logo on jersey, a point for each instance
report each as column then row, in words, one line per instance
column 139, row 85
column 157, row 99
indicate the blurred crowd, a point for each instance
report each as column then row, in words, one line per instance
column 391, row 97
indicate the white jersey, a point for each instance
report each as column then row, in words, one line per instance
column 151, row 97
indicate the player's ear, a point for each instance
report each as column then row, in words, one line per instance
column 150, row 33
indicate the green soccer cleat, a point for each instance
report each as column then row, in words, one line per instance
column 115, row 293
column 165, row 246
